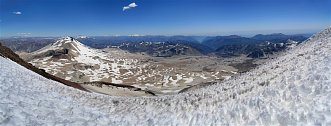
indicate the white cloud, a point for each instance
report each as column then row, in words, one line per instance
column 17, row 12
column 125, row 8
column 132, row 5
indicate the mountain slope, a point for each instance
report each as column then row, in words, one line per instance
column 293, row 89
column 6, row 52
column 69, row 59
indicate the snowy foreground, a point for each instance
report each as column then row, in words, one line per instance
column 293, row 89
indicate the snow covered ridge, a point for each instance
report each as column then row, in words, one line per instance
column 293, row 89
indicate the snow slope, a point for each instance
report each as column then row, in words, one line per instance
column 293, row 89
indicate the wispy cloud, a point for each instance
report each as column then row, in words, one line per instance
column 132, row 5
column 136, row 35
column 17, row 12
column 24, row 33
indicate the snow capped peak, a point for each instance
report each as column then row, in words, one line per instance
column 70, row 49
column 66, row 45
column 69, row 43
column 67, row 39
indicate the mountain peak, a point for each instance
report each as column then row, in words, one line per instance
column 68, row 42
column 68, row 38
column 65, row 47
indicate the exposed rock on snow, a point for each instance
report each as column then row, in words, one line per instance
column 294, row 89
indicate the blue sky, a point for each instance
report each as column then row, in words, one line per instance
column 162, row 17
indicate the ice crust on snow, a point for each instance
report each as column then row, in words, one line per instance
column 293, row 89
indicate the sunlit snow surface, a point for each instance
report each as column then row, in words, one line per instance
column 293, row 89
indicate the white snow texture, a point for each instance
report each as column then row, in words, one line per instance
column 293, row 89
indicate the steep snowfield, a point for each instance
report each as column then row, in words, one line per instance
column 293, row 89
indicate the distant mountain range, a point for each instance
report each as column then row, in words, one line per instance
column 165, row 49
column 167, row 46
column 259, row 50
column 105, row 41
column 27, row 44
column 219, row 41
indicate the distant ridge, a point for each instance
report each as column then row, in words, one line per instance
column 219, row 41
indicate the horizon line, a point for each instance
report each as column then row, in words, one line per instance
column 136, row 35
